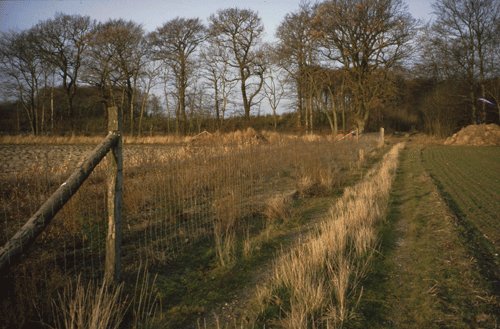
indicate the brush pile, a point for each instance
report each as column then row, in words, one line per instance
column 476, row 135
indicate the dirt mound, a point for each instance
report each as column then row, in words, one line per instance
column 476, row 135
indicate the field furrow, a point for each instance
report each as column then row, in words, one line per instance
column 470, row 177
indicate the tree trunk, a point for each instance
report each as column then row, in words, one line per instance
column 334, row 112
column 311, row 114
column 143, row 105
column 217, row 110
column 299, row 104
column 245, row 98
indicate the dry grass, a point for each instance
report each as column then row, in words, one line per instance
column 320, row 178
column 49, row 140
column 279, row 207
column 249, row 133
column 104, row 306
column 200, row 189
column 146, row 302
column 316, row 281
column 250, row 244
column 151, row 140
column 90, row 307
column 225, row 246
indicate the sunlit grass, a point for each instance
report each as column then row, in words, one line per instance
column 314, row 284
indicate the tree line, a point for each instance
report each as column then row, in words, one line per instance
column 340, row 64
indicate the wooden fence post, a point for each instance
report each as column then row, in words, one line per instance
column 114, row 200
column 251, row 176
column 295, row 159
column 381, row 143
column 27, row 235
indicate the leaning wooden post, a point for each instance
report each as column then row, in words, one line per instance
column 27, row 234
column 114, row 200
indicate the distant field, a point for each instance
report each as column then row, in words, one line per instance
column 60, row 158
column 470, row 177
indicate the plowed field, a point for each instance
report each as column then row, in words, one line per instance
column 469, row 177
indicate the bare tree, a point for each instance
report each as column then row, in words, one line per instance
column 20, row 64
column 322, row 82
column 469, row 27
column 367, row 38
column 130, row 49
column 151, row 71
column 175, row 43
column 297, row 49
column 100, row 68
column 276, row 83
column 220, row 77
column 114, row 59
column 197, row 100
column 436, row 67
column 240, row 32
column 62, row 42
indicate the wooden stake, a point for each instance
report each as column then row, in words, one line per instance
column 114, row 200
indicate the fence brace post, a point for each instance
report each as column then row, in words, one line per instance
column 114, row 200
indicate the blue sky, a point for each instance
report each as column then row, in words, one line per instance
column 22, row 15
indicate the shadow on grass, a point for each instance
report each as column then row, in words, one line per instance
column 373, row 309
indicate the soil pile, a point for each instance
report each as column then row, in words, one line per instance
column 476, row 135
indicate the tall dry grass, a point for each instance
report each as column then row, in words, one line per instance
column 314, row 284
column 89, row 306
column 279, row 207
column 146, row 301
column 94, row 306
column 72, row 139
column 249, row 133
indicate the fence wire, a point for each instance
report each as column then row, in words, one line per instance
column 173, row 196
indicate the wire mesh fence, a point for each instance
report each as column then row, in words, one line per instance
column 173, row 196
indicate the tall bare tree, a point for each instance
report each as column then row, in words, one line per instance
column 220, row 76
column 276, row 82
column 436, row 66
column 62, row 42
column 149, row 79
column 116, row 54
column 297, row 49
column 176, row 43
column 469, row 27
column 100, row 67
column 325, row 87
column 21, row 66
column 240, row 32
column 367, row 38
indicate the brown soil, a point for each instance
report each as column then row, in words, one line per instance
column 476, row 135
